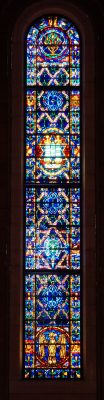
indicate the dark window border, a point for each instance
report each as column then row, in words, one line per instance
column 89, row 382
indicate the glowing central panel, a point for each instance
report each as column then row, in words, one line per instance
column 52, row 238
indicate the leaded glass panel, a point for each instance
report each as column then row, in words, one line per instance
column 52, row 316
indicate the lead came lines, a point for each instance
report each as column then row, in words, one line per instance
column 48, row 197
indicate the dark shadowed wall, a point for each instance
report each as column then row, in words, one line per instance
column 9, row 12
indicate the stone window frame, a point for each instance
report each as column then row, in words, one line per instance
column 87, row 385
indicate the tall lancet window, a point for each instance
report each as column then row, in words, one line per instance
column 52, row 346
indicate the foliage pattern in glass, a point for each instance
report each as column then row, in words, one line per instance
column 52, row 234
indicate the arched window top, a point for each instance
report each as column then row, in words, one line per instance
column 52, row 24
column 55, row 41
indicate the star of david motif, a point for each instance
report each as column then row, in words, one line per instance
column 52, row 249
column 52, row 208
column 52, row 153
column 52, row 303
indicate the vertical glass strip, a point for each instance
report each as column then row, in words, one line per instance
column 52, row 226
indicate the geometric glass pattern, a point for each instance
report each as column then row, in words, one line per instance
column 52, row 281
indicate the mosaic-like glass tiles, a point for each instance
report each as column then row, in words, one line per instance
column 52, row 347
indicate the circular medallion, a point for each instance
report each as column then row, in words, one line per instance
column 53, row 100
column 53, row 45
column 52, row 347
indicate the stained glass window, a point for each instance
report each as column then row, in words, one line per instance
column 52, row 319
